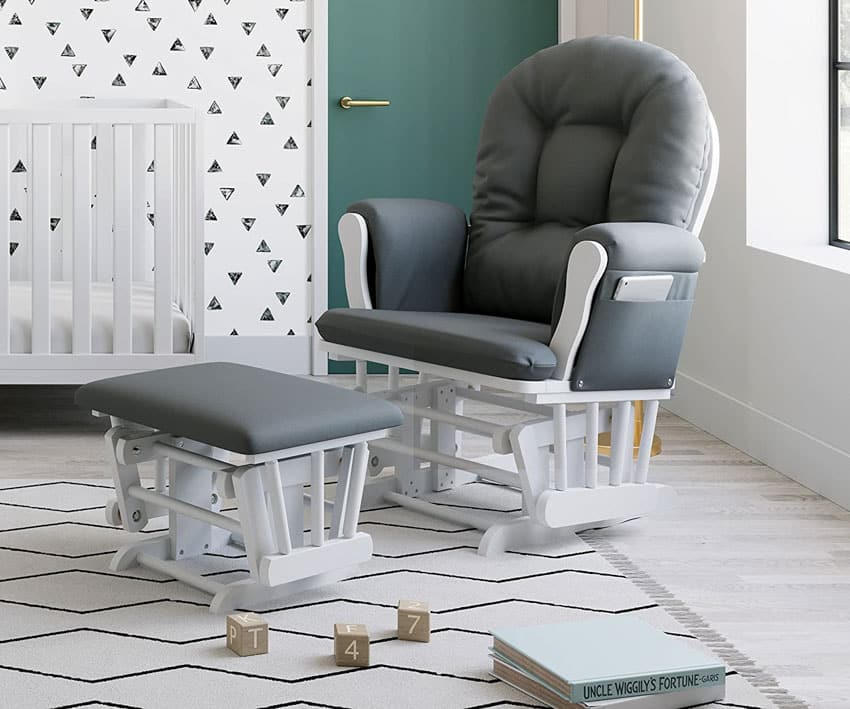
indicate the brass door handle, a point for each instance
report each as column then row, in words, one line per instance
column 348, row 102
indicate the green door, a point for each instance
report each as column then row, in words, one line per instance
column 437, row 61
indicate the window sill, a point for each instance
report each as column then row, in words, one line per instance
column 833, row 258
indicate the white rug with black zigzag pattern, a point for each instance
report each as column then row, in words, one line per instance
column 74, row 634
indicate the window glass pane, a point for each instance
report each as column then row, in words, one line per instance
column 844, row 155
column 843, row 30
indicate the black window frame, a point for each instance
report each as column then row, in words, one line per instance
column 836, row 66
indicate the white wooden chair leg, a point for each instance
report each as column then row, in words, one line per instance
column 361, row 379
column 355, row 490
column 621, row 441
column 317, row 499
column 650, row 417
column 277, row 503
column 393, row 378
column 133, row 513
column 559, row 413
column 530, row 444
column 256, row 527
column 591, row 446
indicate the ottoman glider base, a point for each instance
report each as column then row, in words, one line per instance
column 246, row 434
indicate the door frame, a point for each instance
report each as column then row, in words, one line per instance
column 319, row 362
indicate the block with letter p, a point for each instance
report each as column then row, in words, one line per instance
column 247, row 634
column 414, row 621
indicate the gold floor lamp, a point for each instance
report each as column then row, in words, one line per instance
column 605, row 438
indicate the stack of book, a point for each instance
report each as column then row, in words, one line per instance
column 611, row 662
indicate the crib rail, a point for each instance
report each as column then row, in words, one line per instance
column 96, row 193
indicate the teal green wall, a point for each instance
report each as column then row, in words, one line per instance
column 438, row 62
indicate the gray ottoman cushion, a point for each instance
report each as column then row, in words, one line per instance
column 501, row 347
column 238, row 408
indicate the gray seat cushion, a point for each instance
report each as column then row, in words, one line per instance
column 501, row 347
column 238, row 408
column 600, row 129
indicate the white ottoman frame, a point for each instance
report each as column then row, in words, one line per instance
column 192, row 481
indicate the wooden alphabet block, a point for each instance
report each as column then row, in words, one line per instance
column 414, row 621
column 247, row 634
column 351, row 645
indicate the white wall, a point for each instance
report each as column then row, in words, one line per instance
column 765, row 362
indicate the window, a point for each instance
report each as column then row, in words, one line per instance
column 839, row 111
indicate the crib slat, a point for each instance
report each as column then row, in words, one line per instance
column 122, row 268
column 163, row 235
column 56, row 190
column 5, row 210
column 39, row 228
column 81, row 218
column 66, row 225
column 105, row 180
column 141, row 267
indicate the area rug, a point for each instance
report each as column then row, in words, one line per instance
column 74, row 634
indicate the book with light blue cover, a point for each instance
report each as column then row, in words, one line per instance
column 609, row 658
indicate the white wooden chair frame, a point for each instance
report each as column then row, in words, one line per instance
column 192, row 481
column 566, row 422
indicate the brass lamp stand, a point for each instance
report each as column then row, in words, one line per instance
column 605, row 438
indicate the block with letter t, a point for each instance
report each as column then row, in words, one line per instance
column 247, row 634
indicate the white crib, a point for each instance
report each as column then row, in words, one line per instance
column 101, row 228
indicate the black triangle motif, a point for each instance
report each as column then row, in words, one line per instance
column 235, row 276
column 304, row 229
column 86, row 12
column 195, row 4
column 233, row 333
column 152, row 219
column 153, row 22
column 67, row 52
column 234, row 81
column 266, row 316
column 52, row 27
column 152, row 166
column 54, row 222
column 282, row 12
column 129, row 58
column 263, row 178
column 177, row 46
column 267, row 120
column 263, row 51
column 214, row 304
column 39, row 81
column 108, row 34
column 274, row 264
column 234, row 139
column 15, row 216
column 290, row 333
column 20, row 167
column 274, row 69
column 194, row 84
column 282, row 100
column 290, row 144
column 283, row 297
column 15, row 20
column 142, row 6
column 214, row 109
column 215, row 167
column 248, row 27
column 119, row 81
column 159, row 70
column 11, row 52
column 304, row 34
column 281, row 208
column 210, row 20
column 248, row 222
column 227, row 192
column 263, row 248
column 79, row 68
column 298, row 192
column 208, row 246
column 13, row 247
column 207, row 51
column 210, row 217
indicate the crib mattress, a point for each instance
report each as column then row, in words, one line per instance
column 62, row 322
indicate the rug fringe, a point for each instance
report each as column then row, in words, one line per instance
column 695, row 624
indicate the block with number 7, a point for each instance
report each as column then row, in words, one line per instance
column 351, row 645
column 414, row 621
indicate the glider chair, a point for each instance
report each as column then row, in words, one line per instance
column 565, row 299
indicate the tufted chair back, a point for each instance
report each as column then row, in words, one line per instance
column 600, row 129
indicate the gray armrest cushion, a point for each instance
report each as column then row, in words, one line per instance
column 644, row 246
column 640, row 246
column 417, row 250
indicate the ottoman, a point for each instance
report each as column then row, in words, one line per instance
column 219, row 431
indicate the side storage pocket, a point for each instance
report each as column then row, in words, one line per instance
column 631, row 345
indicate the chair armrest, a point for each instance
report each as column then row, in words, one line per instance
column 404, row 254
column 603, row 254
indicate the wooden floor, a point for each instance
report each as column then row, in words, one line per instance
column 765, row 561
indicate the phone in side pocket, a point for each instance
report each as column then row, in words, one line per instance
column 643, row 288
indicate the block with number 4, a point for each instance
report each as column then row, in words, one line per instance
column 414, row 621
column 351, row 645
column 247, row 634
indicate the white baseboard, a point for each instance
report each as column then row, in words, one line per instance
column 810, row 461
column 290, row 355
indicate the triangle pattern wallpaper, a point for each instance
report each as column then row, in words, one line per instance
column 246, row 64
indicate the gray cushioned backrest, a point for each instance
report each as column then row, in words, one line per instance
column 600, row 129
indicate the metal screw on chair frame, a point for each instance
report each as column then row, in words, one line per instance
column 137, row 515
